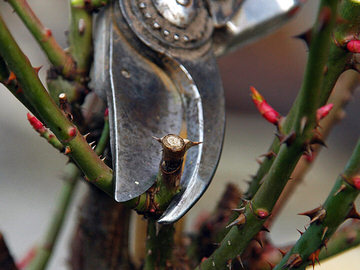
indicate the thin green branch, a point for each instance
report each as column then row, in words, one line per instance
column 250, row 222
column 44, row 251
column 343, row 240
column 337, row 62
column 89, row 4
column 71, row 174
column 325, row 220
column 56, row 55
column 82, row 154
column 80, row 38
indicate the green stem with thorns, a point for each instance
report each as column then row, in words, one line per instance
column 336, row 64
column 250, row 222
column 71, row 174
column 56, row 55
column 82, row 154
column 338, row 206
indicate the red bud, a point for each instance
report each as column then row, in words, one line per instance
column 106, row 113
column 323, row 111
column 262, row 213
column 353, row 46
column 36, row 124
column 72, row 132
column 356, row 181
column 264, row 108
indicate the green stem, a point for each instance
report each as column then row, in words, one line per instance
column 343, row 240
column 57, row 56
column 72, row 173
column 80, row 38
column 13, row 86
column 337, row 208
column 44, row 252
column 336, row 63
column 87, row 160
column 260, row 207
column 159, row 246
column 90, row 5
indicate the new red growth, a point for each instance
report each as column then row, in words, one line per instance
column 36, row 124
column 353, row 46
column 264, row 108
column 324, row 111
column 356, row 181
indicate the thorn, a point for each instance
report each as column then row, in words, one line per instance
column 239, row 210
column 229, row 263
column 314, row 257
column 37, row 69
column 342, row 187
column 353, row 213
column 92, row 143
column 279, row 136
column 269, row 155
column 67, row 150
column 11, row 78
column 325, row 70
column 103, row 159
column 318, row 140
column 265, row 229
column 301, row 233
column 258, row 240
column 289, row 139
column 86, row 135
column 271, row 265
column 324, row 232
column 241, row 219
column 306, row 37
column 238, row 257
column 294, row 261
column 93, row 147
column 259, row 161
column 157, row 139
column 317, row 214
column 282, row 252
column 81, row 26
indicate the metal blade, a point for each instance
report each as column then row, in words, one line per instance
column 255, row 18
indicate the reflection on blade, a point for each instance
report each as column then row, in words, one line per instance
column 254, row 19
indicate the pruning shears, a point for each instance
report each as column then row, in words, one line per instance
column 155, row 64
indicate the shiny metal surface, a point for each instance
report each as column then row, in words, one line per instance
column 223, row 10
column 254, row 19
column 177, row 12
column 155, row 64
